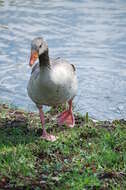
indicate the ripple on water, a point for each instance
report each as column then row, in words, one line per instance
column 90, row 34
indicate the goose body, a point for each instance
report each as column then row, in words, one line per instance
column 52, row 82
column 52, row 85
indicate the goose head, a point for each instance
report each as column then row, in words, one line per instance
column 39, row 47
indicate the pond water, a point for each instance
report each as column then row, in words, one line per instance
column 88, row 33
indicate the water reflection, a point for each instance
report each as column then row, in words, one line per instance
column 90, row 34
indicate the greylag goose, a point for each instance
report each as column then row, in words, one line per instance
column 52, row 82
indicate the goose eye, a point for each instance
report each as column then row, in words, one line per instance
column 40, row 46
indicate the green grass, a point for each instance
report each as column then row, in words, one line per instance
column 90, row 156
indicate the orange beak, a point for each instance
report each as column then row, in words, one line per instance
column 33, row 58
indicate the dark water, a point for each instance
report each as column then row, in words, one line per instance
column 89, row 33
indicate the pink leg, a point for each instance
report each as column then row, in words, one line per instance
column 67, row 117
column 45, row 135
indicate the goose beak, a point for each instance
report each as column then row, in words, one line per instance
column 33, row 58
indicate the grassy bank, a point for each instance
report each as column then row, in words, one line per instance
column 89, row 156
